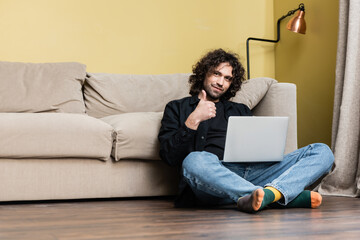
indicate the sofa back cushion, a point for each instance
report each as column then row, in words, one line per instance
column 42, row 87
column 109, row 94
column 253, row 91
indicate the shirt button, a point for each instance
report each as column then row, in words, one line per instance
column 202, row 137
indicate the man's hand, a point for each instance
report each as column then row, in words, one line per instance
column 204, row 111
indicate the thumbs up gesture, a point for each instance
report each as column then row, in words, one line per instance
column 203, row 95
column 206, row 108
column 204, row 111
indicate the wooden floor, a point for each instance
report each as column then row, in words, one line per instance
column 337, row 218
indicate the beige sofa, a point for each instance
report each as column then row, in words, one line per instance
column 68, row 134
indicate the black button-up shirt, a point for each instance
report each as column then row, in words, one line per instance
column 177, row 140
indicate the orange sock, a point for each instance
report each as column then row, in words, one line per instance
column 259, row 199
column 316, row 199
column 306, row 199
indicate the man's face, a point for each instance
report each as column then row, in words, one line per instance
column 218, row 81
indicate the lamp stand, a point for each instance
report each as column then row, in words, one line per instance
column 301, row 7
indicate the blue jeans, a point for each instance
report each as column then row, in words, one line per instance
column 215, row 182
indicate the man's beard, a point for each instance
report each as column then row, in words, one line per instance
column 211, row 95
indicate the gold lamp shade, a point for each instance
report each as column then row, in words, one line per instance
column 297, row 24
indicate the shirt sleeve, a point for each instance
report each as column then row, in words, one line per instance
column 246, row 111
column 176, row 139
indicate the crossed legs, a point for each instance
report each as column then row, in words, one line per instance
column 244, row 183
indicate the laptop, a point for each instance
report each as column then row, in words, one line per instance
column 255, row 139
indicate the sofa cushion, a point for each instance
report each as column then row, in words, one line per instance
column 42, row 87
column 54, row 135
column 136, row 135
column 110, row 94
column 253, row 90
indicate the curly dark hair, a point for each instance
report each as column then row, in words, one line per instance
column 208, row 63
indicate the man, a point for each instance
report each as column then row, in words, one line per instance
column 192, row 137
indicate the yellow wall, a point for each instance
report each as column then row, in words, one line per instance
column 140, row 36
column 309, row 62
column 169, row 36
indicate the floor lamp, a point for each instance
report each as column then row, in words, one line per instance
column 296, row 24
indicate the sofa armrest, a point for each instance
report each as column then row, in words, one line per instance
column 280, row 100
